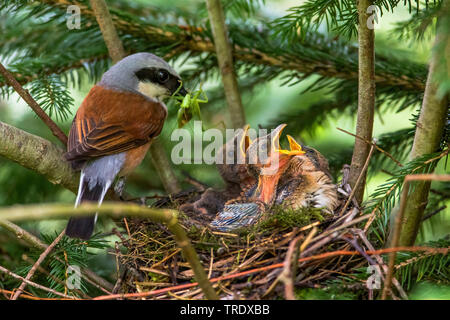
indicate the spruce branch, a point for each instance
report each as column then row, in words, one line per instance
column 33, row 242
column 36, row 265
column 38, row 286
column 260, row 48
column 226, row 65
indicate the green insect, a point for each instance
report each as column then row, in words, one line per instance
column 189, row 106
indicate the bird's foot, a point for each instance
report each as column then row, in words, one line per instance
column 119, row 187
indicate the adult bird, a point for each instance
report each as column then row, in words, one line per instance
column 114, row 126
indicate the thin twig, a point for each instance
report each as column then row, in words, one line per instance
column 358, row 181
column 380, row 261
column 399, row 222
column 374, row 145
column 431, row 214
column 37, row 264
column 57, row 132
column 38, row 286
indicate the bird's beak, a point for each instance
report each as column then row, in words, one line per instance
column 182, row 92
column 275, row 137
column 294, row 146
column 271, row 173
column 245, row 141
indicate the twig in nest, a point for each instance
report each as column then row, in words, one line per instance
column 200, row 186
column 380, row 261
column 325, row 255
column 287, row 276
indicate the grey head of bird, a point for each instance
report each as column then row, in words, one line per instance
column 146, row 74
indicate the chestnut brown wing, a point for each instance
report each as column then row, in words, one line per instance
column 127, row 121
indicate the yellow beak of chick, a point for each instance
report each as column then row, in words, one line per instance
column 294, row 146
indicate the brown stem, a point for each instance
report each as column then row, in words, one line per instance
column 37, row 154
column 358, row 181
column 366, row 97
column 110, row 36
column 225, row 59
column 430, row 126
column 162, row 164
column 10, row 80
column 375, row 145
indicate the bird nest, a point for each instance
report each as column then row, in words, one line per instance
column 254, row 263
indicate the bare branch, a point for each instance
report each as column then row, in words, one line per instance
column 225, row 59
column 57, row 132
column 366, row 98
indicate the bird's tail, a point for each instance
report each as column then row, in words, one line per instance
column 96, row 178
column 90, row 190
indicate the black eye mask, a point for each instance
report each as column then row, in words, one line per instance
column 159, row 76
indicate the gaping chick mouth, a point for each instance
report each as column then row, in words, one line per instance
column 277, row 162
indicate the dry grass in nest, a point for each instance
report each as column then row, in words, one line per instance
column 253, row 264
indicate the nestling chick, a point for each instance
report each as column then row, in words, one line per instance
column 248, row 208
column 306, row 181
column 232, row 168
column 294, row 178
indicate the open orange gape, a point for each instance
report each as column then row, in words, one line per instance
column 294, row 178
